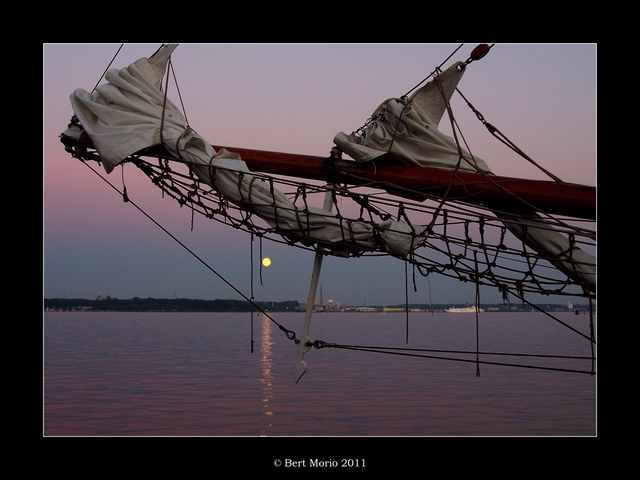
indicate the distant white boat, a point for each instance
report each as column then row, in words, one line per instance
column 464, row 310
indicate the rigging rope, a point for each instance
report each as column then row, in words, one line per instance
column 289, row 333
column 437, row 69
column 252, row 297
column 447, row 234
column 107, row 69
column 475, row 256
column 502, row 138
column 426, row 353
column 454, row 249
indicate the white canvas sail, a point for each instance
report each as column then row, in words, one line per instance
column 408, row 129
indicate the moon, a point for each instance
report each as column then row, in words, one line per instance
column 266, row 261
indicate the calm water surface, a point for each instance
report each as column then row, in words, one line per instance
column 193, row 374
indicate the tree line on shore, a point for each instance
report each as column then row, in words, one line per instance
column 137, row 304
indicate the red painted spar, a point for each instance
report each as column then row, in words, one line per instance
column 491, row 191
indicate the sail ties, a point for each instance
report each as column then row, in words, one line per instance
column 415, row 117
column 406, row 129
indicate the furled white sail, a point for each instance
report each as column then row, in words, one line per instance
column 124, row 115
column 131, row 113
column 536, row 233
column 407, row 129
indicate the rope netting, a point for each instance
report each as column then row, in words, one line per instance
column 454, row 239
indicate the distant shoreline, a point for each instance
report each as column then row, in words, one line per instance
column 137, row 304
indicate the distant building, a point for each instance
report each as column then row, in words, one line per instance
column 366, row 309
column 333, row 306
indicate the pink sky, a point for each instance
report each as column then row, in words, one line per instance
column 291, row 98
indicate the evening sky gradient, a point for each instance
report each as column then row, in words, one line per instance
column 291, row 98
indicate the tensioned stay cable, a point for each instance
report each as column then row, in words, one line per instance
column 413, row 352
column 434, row 71
column 290, row 334
column 475, row 257
column 107, row 69
column 252, row 297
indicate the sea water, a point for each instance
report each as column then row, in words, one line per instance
column 194, row 374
